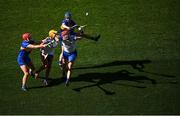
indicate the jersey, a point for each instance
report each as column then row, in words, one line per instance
column 23, row 56
column 69, row 44
column 69, row 23
column 49, row 50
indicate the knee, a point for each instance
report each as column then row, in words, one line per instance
column 27, row 74
column 69, row 68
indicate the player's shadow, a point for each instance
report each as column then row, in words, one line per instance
column 135, row 64
column 99, row 79
column 52, row 82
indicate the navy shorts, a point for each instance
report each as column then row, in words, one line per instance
column 23, row 58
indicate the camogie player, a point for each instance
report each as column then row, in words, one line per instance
column 69, row 25
column 69, row 53
column 47, row 55
column 24, row 60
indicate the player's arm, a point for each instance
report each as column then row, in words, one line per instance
column 31, row 46
column 61, row 54
column 57, row 37
column 64, row 26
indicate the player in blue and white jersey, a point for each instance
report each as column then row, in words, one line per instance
column 69, row 53
column 69, row 25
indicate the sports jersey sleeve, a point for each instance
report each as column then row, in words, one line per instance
column 64, row 22
column 24, row 44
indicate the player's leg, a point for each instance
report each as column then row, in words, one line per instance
column 48, row 69
column 42, row 67
column 95, row 38
column 64, row 68
column 65, row 56
column 87, row 36
column 61, row 57
column 69, row 72
column 31, row 68
column 71, row 60
column 25, row 70
column 27, row 61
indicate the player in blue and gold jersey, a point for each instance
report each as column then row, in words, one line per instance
column 24, row 60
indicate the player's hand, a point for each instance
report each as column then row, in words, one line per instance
column 42, row 45
column 69, row 28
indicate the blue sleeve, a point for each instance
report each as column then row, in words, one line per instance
column 24, row 44
column 64, row 21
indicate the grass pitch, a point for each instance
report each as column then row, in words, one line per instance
column 132, row 69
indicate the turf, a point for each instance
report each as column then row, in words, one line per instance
column 132, row 69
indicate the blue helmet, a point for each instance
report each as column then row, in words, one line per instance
column 67, row 15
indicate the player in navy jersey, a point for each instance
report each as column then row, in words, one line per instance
column 24, row 60
column 69, row 25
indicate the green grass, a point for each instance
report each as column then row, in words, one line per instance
column 104, row 80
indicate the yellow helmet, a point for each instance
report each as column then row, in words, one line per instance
column 52, row 33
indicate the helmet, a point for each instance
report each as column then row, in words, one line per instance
column 67, row 15
column 26, row 35
column 52, row 33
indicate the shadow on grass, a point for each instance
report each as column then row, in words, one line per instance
column 135, row 64
column 99, row 79
column 52, row 82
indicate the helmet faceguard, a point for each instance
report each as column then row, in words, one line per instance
column 67, row 16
